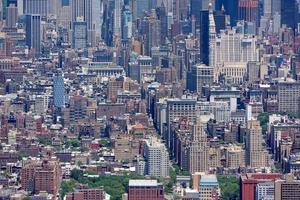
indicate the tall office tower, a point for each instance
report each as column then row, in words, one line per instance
column 276, row 6
column 126, row 23
column 204, row 37
column 198, row 152
column 139, row 8
column 97, row 18
column 176, row 109
column 248, row 10
column 78, row 108
column 181, row 10
column 220, row 20
column 289, row 97
column 212, row 37
column 117, row 19
column 87, row 9
column 77, row 9
column 162, row 16
column 150, row 28
column 33, row 33
column 267, row 8
column 231, row 9
column 36, row 7
column 157, row 158
column 1, row 14
column 79, row 38
column 145, row 190
column 207, row 37
column 59, row 90
column 12, row 16
column 289, row 13
column 201, row 75
column 255, row 155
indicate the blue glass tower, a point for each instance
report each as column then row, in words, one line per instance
column 58, row 90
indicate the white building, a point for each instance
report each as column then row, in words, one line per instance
column 157, row 158
column 265, row 191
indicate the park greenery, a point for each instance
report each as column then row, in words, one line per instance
column 229, row 186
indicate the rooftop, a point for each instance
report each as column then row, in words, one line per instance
column 143, row 183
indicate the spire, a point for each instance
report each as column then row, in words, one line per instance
column 210, row 8
column 223, row 8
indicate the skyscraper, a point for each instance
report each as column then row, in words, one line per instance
column 201, row 75
column 231, row 9
column 117, row 18
column 79, row 39
column 198, row 153
column 289, row 96
column 255, row 155
column 33, row 33
column 36, row 7
column 289, row 13
column 12, row 16
column 248, row 10
column 126, row 23
column 58, row 90
column 204, row 37
column 85, row 10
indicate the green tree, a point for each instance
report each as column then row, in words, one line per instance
column 229, row 187
column 66, row 187
column 76, row 174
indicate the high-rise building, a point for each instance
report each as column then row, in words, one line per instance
column 118, row 18
column 176, row 109
column 233, row 47
column 41, row 176
column 36, row 7
column 231, row 9
column 204, row 37
column 79, row 39
column 58, row 90
column 289, row 96
column 78, row 108
column 197, row 6
column 140, row 7
column 157, row 158
column 255, row 154
column 198, row 153
column 201, row 75
column 33, row 33
column 1, row 14
column 87, row 11
column 145, row 190
column 235, row 157
column 249, row 11
column 12, row 16
column 289, row 13
column 126, row 23
column 288, row 189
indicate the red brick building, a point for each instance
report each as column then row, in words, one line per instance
column 249, row 182
column 145, row 190
column 41, row 176
column 87, row 194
